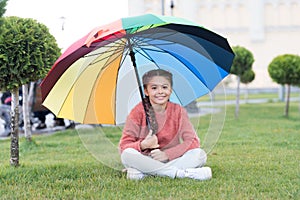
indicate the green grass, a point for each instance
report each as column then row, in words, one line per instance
column 256, row 157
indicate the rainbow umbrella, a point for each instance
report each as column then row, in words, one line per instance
column 97, row 80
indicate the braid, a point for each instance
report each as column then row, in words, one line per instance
column 150, row 115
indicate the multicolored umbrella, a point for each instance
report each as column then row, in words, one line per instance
column 97, row 80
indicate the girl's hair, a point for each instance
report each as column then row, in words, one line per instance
column 150, row 114
column 157, row 72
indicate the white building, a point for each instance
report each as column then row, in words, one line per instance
column 267, row 28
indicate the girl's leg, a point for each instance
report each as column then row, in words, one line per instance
column 131, row 158
column 190, row 165
column 191, row 159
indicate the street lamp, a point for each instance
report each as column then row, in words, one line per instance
column 63, row 19
column 162, row 7
column 172, row 7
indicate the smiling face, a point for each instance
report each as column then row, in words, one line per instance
column 159, row 90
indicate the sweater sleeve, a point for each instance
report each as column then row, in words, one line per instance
column 187, row 135
column 134, row 130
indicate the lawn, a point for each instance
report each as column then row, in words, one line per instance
column 256, row 157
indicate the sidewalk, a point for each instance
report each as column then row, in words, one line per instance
column 211, row 107
column 241, row 101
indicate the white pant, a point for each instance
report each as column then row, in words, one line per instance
column 132, row 158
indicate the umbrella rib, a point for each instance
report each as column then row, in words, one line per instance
column 94, row 85
column 141, row 43
column 125, row 53
column 121, row 42
column 109, row 40
column 108, row 56
column 135, row 29
column 108, row 46
column 114, row 51
column 113, row 47
column 156, row 65
column 111, row 51
column 164, row 51
column 150, row 36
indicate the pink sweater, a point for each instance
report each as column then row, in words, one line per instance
column 176, row 134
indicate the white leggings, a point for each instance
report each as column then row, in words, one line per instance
column 132, row 158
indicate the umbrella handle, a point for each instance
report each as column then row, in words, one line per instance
column 132, row 57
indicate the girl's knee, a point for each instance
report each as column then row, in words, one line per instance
column 129, row 150
column 128, row 153
column 202, row 157
column 199, row 155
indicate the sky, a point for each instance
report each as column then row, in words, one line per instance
column 69, row 20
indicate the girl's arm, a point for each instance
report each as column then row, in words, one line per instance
column 187, row 134
column 135, row 130
column 130, row 137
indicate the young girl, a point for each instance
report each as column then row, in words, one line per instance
column 171, row 148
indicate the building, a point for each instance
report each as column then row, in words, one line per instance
column 267, row 28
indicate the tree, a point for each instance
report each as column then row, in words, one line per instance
column 247, row 77
column 242, row 63
column 2, row 11
column 285, row 70
column 27, row 52
column 2, row 7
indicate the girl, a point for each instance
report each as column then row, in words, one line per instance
column 171, row 148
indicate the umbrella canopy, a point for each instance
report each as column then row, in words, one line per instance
column 97, row 80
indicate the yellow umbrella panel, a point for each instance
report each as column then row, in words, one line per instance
column 86, row 90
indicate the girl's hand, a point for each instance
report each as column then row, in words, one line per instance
column 150, row 142
column 159, row 155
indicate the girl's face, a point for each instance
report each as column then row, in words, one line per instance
column 159, row 90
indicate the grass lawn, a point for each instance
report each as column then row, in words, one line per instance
column 257, row 157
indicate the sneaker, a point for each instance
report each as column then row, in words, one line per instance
column 134, row 174
column 203, row 173
column 41, row 126
column 59, row 122
column 71, row 125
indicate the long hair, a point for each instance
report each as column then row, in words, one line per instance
column 150, row 114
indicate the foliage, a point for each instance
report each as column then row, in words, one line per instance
column 285, row 69
column 248, row 76
column 256, row 157
column 242, row 61
column 2, row 7
column 27, row 52
column 2, row 11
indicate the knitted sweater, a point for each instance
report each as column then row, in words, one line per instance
column 175, row 134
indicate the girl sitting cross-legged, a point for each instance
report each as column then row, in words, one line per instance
column 171, row 148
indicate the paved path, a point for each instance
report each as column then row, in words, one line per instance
column 210, row 107
column 242, row 101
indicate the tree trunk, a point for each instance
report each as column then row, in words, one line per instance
column 286, row 113
column 281, row 93
column 31, row 95
column 14, row 147
column 237, row 105
column 246, row 94
column 26, row 113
